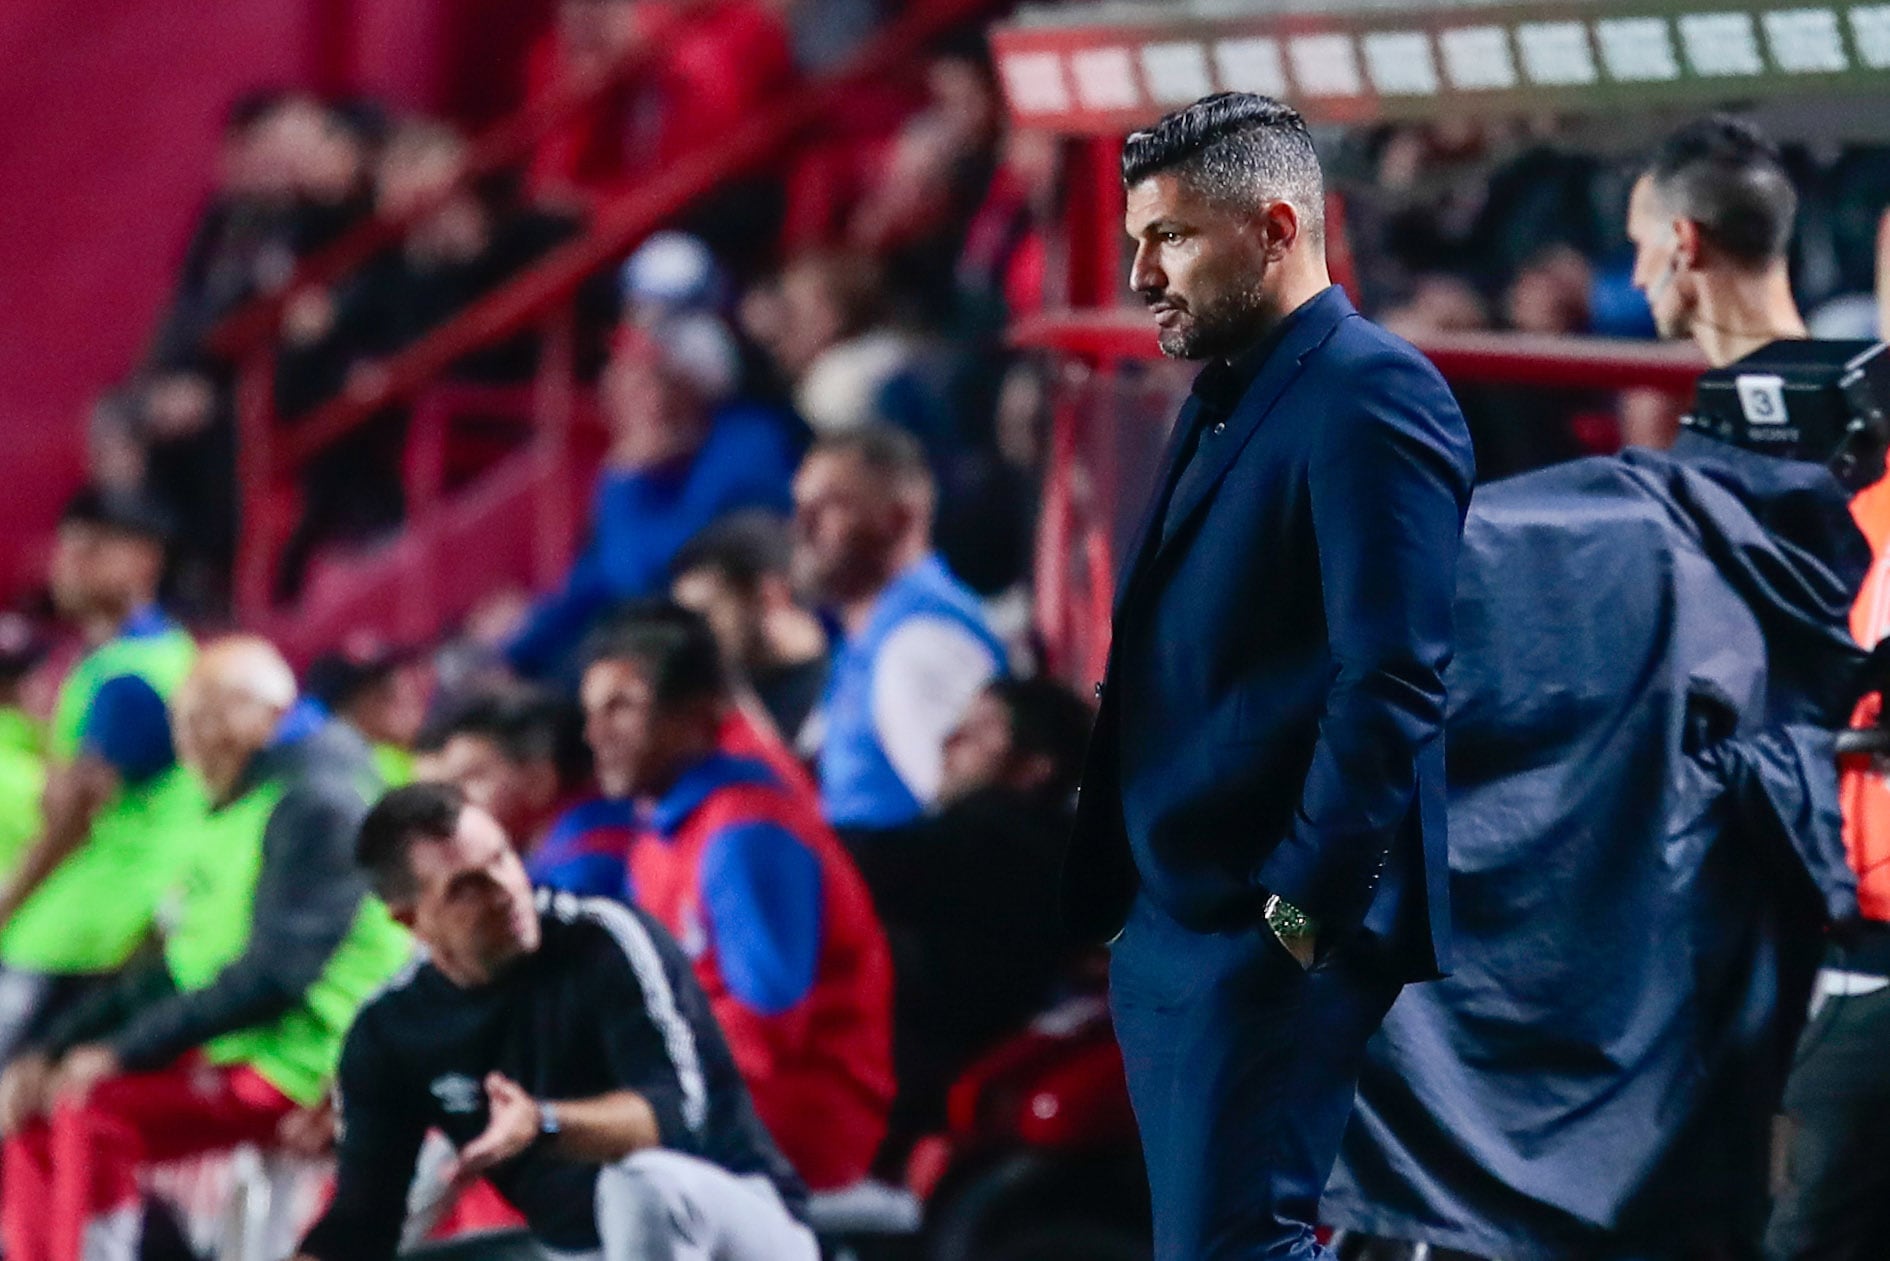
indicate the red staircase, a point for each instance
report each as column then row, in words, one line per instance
column 519, row 522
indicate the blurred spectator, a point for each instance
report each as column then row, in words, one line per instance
column 476, row 238
column 1002, row 267
column 381, row 692
column 936, row 175
column 963, row 892
column 710, row 66
column 738, row 574
column 683, row 452
column 915, row 647
column 117, row 811
column 520, row 756
column 22, row 741
column 244, row 242
column 273, row 948
column 1438, row 303
column 738, row 865
column 825, row 324
column 1548, row 295
column 176, row 415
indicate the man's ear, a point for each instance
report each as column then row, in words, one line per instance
column 1687, row 243
column 1280, row 227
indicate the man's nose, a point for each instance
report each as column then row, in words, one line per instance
column 1145, row 276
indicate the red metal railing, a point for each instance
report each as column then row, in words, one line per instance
column 1111, row 410
column 269, row 459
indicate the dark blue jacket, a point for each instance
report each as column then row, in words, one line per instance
column 1271, row 718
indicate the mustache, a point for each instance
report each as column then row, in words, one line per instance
column 1155, row 297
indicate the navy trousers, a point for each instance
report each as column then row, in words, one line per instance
column 1242, row 1070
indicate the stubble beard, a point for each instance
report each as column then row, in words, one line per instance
column 1218, row 329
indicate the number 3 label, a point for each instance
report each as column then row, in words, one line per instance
column 1762, row 399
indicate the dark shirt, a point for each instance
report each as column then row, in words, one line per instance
column 966, row 897
column 607, row 1003
column 789, row 694
column 1217, row 391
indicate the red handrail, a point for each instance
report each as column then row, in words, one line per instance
column 1601, row 363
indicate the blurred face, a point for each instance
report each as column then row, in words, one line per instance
column 640, row 397
column 1662, row 270
column 98, row 571
column 410, row 174
column 620, row 722
column 393, row 711
column 847, row 527
column 473, row 906
column 595, row 28
column 961, row 90
column 978, row 752
column 1200, row 268
column 218, row 729
column 808, row 321
column 733, row 614
column 517, row 794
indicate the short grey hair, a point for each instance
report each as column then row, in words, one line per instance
column 1237, row 149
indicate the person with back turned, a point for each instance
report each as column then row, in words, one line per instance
column 1261, row 824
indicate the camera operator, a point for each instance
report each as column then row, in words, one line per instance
column 1711, row 220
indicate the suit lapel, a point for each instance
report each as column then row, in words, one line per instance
column 1164, row 488
column 1217, row 453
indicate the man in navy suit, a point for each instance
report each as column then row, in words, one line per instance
column 1262, row 813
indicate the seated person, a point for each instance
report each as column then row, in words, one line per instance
column 519, row 755
column 684, row 450
column 736, row 862
column 915, row 644
column 381, row 691
column 274, row 946
column 108, row 815
column 564, row 1048
column 967, row 893
column 738, row 575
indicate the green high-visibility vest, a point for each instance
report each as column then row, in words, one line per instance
column 22, row 783
column 298, row 1052
column 395, row 765
column 97, row 905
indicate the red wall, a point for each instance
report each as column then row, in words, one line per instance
column 111, row 109
column 108, row 117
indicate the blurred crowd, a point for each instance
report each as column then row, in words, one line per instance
column 820, row 478
column 864, row 276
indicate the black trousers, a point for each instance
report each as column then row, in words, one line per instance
column 1835, row 1201
column 1242, row 1069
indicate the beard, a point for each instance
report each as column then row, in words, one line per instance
column 1217, row 327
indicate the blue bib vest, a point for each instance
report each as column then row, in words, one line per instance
column 859, row 786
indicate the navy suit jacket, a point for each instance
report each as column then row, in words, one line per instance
column 1272, row 716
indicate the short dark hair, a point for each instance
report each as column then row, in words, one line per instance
column 673, row 645
column 418, row 812
column 887, row 451
column 525, row 724
column 1050, row 720
column 1724, row 175
column 127, row 513
column 741, row 548
column 1236, row 149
